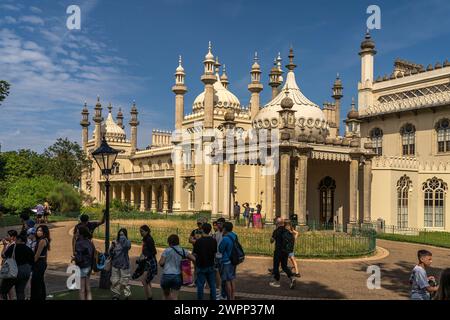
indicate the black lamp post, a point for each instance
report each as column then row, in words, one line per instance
column 105, row 156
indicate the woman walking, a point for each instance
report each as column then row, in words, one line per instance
column 171, row 279
column 291, row 229
column 146, row 264
column 84, row 258
column 24, row 258
column 120, row 265
column 38, row 290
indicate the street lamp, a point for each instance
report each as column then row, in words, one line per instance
column 105, row 156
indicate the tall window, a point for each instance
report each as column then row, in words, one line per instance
column 443, row 135
column 408, row 133
column 434, row 197
column 326, row 189
column 403, row 186
column 376, row 136
column 191, row 198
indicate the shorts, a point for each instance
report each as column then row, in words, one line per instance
column 85, row 272
column 171, row 281
column 291, row 255
column 227, row 272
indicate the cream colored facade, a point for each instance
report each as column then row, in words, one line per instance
column 323, row 176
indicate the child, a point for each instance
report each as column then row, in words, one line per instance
column 422, row 285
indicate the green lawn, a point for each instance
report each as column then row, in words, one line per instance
column 433, row 238
column 137, row 293
column 14, row 220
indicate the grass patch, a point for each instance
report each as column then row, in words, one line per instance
column 14, row 220
column 433, row 238
column 137, row 293
column 315, row 244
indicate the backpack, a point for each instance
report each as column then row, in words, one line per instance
column 288, row 241
column 237, row 253
column 98, row 261
column 185, row 267
column 9, row 268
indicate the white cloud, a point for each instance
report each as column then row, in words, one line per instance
column 10, row 7
column 8, row 20
column 32, row 20
column 35, row 9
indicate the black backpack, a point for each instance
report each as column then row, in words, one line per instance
column 237, row 253
column 288, row 241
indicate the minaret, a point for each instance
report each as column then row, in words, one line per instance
column 179, row 89
column 98, row 123
column 208, row 78
column 255, row 87
column 274, row 78
column 85, row 124
column 367, row 53
column 224, row 78
column 134, row 123
column 352, row 122
column 119, row 118
column 337, row 96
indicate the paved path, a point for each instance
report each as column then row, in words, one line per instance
column 343, row 279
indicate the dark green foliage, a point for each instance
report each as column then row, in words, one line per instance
column 4, row 90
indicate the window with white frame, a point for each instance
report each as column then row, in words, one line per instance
column 443, row 135
column 434, row 200
column 403, row 187
column 376, row 137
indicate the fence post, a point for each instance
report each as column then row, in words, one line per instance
column 334, row 245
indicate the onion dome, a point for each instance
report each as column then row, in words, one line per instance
column 209, row 56
column 111, row 130
column 353, row 113
column 309, row 118
column 367, row 43
column 179, row 69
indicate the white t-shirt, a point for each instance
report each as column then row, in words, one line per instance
column 218, row 236
column 173, row 259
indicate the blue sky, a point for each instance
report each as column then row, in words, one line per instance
column 128, row 50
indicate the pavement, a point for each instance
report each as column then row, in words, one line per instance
column 321, row 279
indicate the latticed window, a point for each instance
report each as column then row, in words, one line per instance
column 326, row 188
column 376, row 136
column 408, row 133
column 434, row 199
column 443, row 135
column 403, row 186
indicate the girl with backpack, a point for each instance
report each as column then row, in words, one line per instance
column 120, row 265
column 84, row 258
column 173, row 260
column 291, row 229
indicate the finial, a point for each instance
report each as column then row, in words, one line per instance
column 353, row 103
column 98, row 98
column 179, row 60
column 291, row 66
column 217, row 64
column 110, row 107
column 224, row 69
column 337, row 75
column 256, row 56
column 209, row 46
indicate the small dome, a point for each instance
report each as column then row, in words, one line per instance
column 223, row 98
column 112, row 130
column 353, row 114
column 209, row 56
column 367, row 43
column 309, row 118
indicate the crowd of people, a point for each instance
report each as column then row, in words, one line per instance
column 215, row 255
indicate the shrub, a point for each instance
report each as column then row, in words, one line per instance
column 64, row 198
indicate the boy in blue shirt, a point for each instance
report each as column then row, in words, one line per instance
column 227, row 269
column 421, row 288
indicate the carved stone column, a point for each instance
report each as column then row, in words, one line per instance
column 165, row 198
column 353, row 191
column 367, row 189
column 302, row 186
column 142, row 198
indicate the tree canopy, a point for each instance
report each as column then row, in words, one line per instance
column 4, row 90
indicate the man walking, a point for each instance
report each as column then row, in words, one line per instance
column 205, row 249
column 281, row 236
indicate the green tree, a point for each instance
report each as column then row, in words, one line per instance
column 64, row 198
column 66, row 160
column 4, row 90
column 25, row 193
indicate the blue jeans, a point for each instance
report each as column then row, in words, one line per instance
column 206, row 274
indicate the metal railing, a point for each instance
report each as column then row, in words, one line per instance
column 257, row 241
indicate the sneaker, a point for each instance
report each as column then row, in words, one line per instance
column 292, row 285
column 297, row 275
column 275, row 284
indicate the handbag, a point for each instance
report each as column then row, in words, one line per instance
column 186, row 269
column 9, row 268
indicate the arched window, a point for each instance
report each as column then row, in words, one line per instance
column 191, row 190
column 408, row 132
column 443, row 135
column 327, row 186
column 403, row 186
column 376, row 136
column 434, row 198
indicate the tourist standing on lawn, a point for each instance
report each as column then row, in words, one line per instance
column 38, row 290
column 443, row 292
column 292, row 259
column 193, row 237
column 250, row 218
column 84, row 258
column 147, row 264
column 120, row 265
column 236, row 212
column 227, row 269
column 204, row 251
column 282, row 238
column 422, row 285
column 218, row 236
column 246, row 214
column 24, row 258
column 171, row 279
column 91, row 225
column 257, row 218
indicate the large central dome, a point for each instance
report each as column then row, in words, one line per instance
column 309, row 118
column 223, row 98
